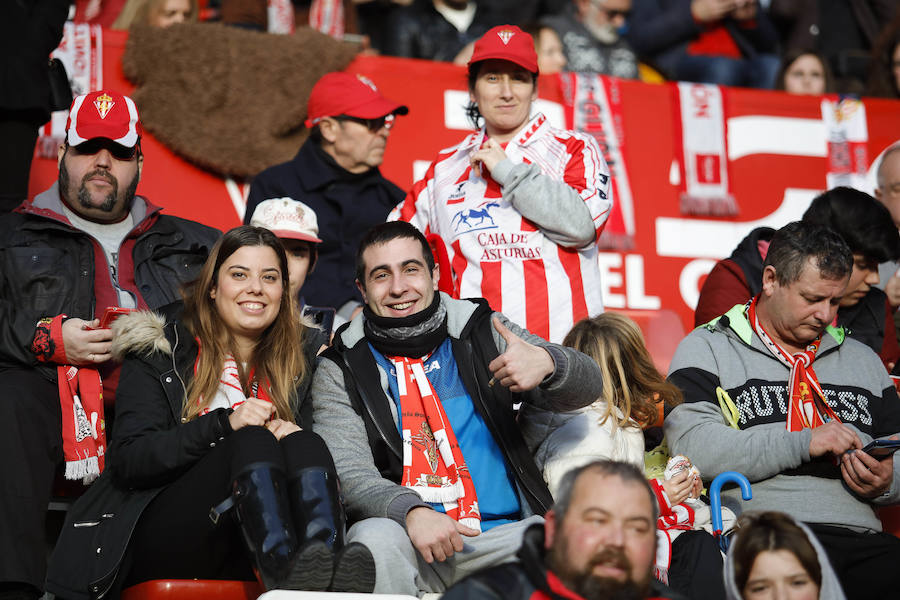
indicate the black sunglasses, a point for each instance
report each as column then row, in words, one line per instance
column 118, row 151
column 612, row 14
column 374, row 125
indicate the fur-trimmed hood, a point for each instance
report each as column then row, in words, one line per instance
column 141, row 332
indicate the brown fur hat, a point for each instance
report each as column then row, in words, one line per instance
column 230, row 100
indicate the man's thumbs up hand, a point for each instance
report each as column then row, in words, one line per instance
column 522, row 366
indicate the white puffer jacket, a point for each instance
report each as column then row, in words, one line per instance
column 561, row 441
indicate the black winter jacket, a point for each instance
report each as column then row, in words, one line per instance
column 47, row 268
column 528, row 578
column 346, row 207
column 151, row 448
column 420, row 31
column 29, row 31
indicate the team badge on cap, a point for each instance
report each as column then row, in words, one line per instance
column 340, row 93
column 506, row 42
column 114, row 117
column 104, row 104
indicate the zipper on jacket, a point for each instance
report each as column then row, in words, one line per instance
column 365, row 402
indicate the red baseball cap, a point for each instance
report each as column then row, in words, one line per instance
column 506, row 42
column 103, row 114
column 342, row 93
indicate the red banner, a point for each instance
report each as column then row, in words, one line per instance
column 776, row 148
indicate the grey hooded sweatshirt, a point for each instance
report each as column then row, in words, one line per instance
column 829, row 590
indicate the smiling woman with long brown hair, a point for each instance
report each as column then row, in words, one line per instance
column 211, row 410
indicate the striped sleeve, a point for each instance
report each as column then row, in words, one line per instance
column 416, row 207
column 587, row 173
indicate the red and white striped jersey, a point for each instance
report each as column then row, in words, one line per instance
column 528, row 268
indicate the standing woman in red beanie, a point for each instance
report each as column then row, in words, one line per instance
column 519, row 204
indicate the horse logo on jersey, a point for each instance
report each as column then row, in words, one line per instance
column 474, row 218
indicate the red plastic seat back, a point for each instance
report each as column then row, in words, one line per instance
column 890, row 519
column 192, row 589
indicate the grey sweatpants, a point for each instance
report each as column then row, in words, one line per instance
column 400, row 569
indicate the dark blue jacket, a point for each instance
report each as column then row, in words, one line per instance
column 660, row 31
column 346, row 206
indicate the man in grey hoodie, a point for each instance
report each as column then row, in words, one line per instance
column 774, row 391
column 415, row 401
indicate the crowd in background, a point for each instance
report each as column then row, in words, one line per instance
column 401, row 326
column 841, row 47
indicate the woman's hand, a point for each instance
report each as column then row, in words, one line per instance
column 488, row 155
column 252, row 412
column 281, row 428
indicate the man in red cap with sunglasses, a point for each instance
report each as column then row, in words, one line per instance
column 336, row 174
column 85, row 245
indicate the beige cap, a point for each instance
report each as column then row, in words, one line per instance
column 287, row 218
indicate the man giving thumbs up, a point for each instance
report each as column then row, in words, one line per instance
column 416, row 399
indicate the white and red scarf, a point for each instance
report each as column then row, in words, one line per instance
column 433, row 464
column 847, row 135
column 81, row 51
column 327, row 16
column 808, row 407
column 281, row 16
column 80, row 401
column 83, row 425
column 230, row 393
column 704, row 169
column 596, row 105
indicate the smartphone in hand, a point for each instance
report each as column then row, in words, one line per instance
column 111, row 314
column 881, row 449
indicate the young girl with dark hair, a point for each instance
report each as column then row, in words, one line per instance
column 774, row 556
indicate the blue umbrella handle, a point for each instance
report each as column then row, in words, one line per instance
column 715, row 494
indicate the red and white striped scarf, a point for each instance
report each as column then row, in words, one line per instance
column 702, row 117
column 230, row 393
column 808, row 406
column 433, row 464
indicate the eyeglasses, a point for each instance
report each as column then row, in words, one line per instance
column 615, row 14
column 373, row 125
column 118, row 151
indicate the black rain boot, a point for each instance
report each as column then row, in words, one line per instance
column 262, row 509
column 319, row 514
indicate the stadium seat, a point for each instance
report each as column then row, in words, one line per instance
column 191, row 589
column 200, row 589
column 890, row 519
column 662, row 330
